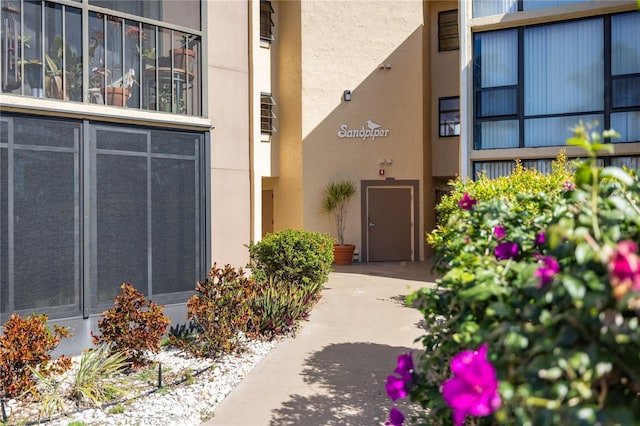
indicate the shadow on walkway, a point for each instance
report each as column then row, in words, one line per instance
column 352, row 377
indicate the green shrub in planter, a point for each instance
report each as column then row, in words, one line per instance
column 543, row 303
column 295, row 256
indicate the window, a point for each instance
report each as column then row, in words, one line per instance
column 498, row 7
column 448, row 36
column 532, row 84
column 122, row 205
column 185, row 13
column 495, row 169
column 131, row 63
column 266, row 21
column 449, row 112
column 267, row 115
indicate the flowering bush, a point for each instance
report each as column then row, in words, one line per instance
column 544, row 285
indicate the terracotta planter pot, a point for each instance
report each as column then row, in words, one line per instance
column 184, row 59
column 115, row 96
column 343, row 254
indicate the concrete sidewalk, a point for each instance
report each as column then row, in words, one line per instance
column 334, row 371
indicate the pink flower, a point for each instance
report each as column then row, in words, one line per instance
column 545, row 273
column 540, row 238
column 624, row 269
column 466, row 202
column 396, row 418
column 506, row 250
column 474, row 388
column 398, row 387
column 568, row 185
column 405, row 366
column 499, row 232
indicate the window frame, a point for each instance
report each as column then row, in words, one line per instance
column 442, row 38
column 86, row 259
column 267, row 115
column 519, row 115
column 266, row 22
column 442, row 111
column 186, row 96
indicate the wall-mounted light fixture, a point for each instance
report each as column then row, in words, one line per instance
column 347, row 95
column 384, row 66
column 384, row 163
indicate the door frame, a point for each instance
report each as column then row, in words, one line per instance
column 364, row 222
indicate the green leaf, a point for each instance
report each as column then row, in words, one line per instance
column 580, row 142
column 617, row 173
column 584, row 253
column 499, row 309
column 583, row 175
column 575, row 288
column 516, row 341
column 602, row 147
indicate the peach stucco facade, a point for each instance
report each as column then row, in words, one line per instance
column 375, row 50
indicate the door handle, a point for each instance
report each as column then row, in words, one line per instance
column 371, row 224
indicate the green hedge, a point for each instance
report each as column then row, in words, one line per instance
column 294, row 256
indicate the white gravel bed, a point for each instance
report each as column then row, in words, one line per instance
column 189, row 403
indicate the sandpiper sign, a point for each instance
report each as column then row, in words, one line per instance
column 369, row 130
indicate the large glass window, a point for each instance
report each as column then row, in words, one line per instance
column 141, row 221
column 185, row 13
column 131, row 63
column 498, row 7
column 496, row 88
column 532, row 84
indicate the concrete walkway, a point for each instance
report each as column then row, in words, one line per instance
column 334, row 371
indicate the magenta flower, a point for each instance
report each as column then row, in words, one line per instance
column 624, row 268
column 540, row 238
column 568, row 185
column 545, row 273
column 396, row 418
column 473, row 391
column 466, row 202
column 506, row 250
column 398, row 387
column 405, row 366
column 499, row 232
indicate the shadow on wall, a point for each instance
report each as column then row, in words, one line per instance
column 410, row 271
column 349, row 379
column 390, row 98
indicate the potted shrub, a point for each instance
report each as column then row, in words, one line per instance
column 119, row 92
column 185, row 57
column 335, row 202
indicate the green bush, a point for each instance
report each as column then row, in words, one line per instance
column 279, row 306
column 294, row 256
column 552, row 290
column 513, row 188
column 220, row 310
column 133, row 325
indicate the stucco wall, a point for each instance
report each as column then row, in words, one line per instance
column 228, row 109
column 343, row 45
column 445, row 82
column 288, row 206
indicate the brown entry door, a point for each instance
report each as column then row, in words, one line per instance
column 390, row 223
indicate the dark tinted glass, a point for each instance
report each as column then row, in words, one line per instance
column 185, row 13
